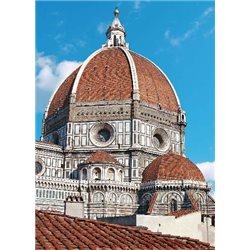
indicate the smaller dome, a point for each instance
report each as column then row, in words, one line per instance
column 101, row 157
column 172, row 167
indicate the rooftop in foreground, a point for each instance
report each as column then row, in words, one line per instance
column 56, row 231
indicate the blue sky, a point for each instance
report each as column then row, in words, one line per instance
column 177, row 36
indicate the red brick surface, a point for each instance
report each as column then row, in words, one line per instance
column 101, row 157
column 106, row 77
column 154, row 87
column 172, row 167
column 152, row 203
column 55, row 231
column 61, row 97
column 182, row 212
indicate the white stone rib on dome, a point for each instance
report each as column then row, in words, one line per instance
column 51, row 98
column 133, row 74
column 79, row 74
column 177, row 98
column 75, row 84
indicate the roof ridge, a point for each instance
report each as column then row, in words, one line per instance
column 152, row 203
column 193, row 201
column 101, row 156
column 127, row 235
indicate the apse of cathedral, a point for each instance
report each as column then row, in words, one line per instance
column 113, row 139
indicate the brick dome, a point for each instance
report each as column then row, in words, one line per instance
column 115, row 74
column 101, row 157
column 172, row 167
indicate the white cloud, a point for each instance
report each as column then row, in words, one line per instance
column 207, row 168
column 167, row 34
column 80, row 43
column 175, row 41
column 68, row 47
column 208, row 11
column 102, row 27
column 208, row 33
column 137, row 5
column 60, row 23
column 50, row 73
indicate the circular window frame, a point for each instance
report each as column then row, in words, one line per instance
column 94, row 133
column 40, row 161
column 165, row 145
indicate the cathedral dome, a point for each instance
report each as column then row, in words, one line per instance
column 172, row 167
column 116, row 74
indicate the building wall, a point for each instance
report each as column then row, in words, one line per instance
column 189, row 225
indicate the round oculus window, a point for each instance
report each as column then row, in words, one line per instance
column 161, row 139
column 102, row 134
column 39, row 167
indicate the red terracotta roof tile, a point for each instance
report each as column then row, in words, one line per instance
column 182, row 212
column 101, row 157
column 179, row 213
column 61, row 97
column 172, row 167
column 152, row 203
column 193, row 201
column 153, row 85
column 107, row 76
column 55, row 231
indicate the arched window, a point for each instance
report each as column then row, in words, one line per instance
column 55, row 138
column 126, row 199
column 97, row 174
column 145, row 200
column 120, row 176
column 111, row 174
column 112, row 198
column 98, row 197
column 173, row 205
column 84, row 174
column 213, row 220
column 199, row 200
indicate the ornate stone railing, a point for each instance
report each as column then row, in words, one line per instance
column 76, row 183
column 175, row 183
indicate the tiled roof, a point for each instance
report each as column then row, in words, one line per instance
column 107, row 77
column 182, row 212
column 172, row 167
column 152, row 203
column 55, row 231
column 179, row 213
column 153, row 85
column 61, row 97
column 193, row 201
column 101, row 157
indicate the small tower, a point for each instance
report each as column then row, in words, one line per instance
column 116, row 33
column 182, row 124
